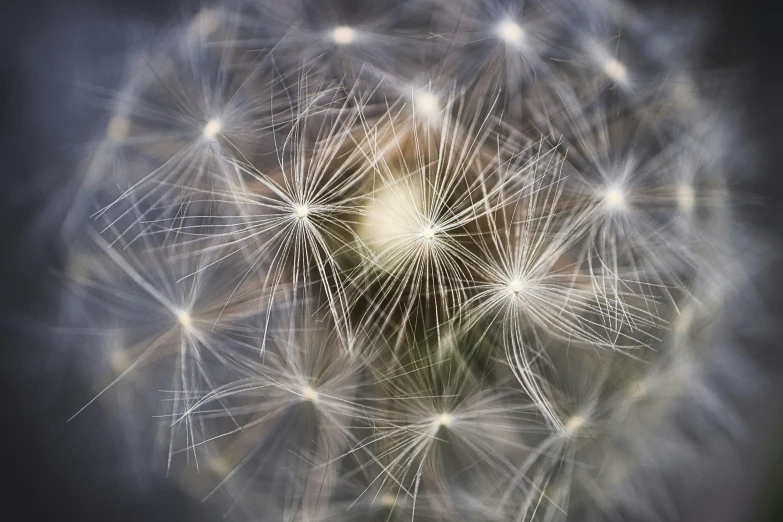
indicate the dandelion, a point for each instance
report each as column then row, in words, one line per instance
column 164, row 320
column 343, row 35
column 426, row 261
column 303, row 384
column 510, row 32
column 437, row 428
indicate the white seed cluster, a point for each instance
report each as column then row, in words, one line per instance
column 431, row 264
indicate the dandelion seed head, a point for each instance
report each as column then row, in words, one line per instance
column 118, row 129
column 392, row 215
column 388, row 500
column 309, row 394
column 686, row 197
column 426, row 226
column 205, row 22
column 119, row 361
column 426, row 103
column 444, row 419
column 637, row 390
column 510, row 31
column 220, row 466
column 212, row 129
column 615, row 70
column 614, row 198
column 184, row 318
column 302, row 211
column 574, row 424
column 683, row 321
column 343, row 35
